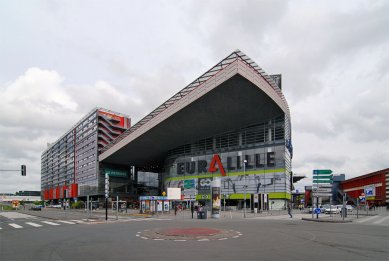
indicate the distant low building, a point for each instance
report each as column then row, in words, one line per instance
column 376, row 183
column 29, row 193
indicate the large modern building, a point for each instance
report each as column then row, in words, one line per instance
column 233, row 123
column 69, row 166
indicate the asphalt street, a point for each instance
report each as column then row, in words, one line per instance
column 261, row 237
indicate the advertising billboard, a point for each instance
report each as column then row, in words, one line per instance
column 174, row 193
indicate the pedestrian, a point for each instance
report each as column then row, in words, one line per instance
column 175, row 209
column 192, row 209
column 289, row 210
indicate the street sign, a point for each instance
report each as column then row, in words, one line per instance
column 317, row 181
column 324, row 185
column 317, row 194
column 322, row 171
column 324, row 190
column 369, row 191
column 317, row 211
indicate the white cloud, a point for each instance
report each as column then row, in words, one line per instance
column 61, row 59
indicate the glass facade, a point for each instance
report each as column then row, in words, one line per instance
column 264, row 147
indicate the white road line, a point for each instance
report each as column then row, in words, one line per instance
column 224, row 238
column 77, row 221
column 204, row 239
column 144, row 237
column 15, row 225
column 158, row 239
column 33, row 224
column 66, row 222
column 50, row 223
column 366, row 219
column 380, row 220
column 180, row 240
column 0, row 228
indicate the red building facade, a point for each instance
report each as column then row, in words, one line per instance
column 378, row 181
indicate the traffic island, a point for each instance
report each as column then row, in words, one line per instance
column 327, row 220
column 188, row 234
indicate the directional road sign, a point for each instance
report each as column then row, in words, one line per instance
column 324, row 185
column 323, row 190
column 322, row 171
column 319, row 194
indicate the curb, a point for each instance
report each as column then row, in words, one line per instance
column 328, row 220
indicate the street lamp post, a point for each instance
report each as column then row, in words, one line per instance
column 244, row 174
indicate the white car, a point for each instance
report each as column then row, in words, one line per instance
column 331, row 209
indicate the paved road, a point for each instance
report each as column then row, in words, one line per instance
column 275, row 237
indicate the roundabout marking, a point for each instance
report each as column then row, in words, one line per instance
column 200, row 234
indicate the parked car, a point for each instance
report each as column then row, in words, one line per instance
column 331, row 209
column 349, row 208
column 36, row 207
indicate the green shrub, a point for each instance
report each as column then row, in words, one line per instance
column 78, row 204
column 6, row 207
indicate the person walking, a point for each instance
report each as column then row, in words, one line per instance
column 289, row 210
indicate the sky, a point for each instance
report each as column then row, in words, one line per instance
column 61, row 59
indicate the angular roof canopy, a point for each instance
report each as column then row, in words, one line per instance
column 234, row 93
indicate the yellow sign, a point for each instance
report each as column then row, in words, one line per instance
column 163, row 194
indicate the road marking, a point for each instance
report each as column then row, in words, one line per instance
column 50, row 223
column 158, row 239
column 13, row 215
column 77, row 221
column 15, row 225
column 180, row 240
column 204, row 239
column 366, row 219
column 33, row 224
column 380, row 220
column 144, row 237
column 0, row 228
column 235, row 236
column 224, row 238
column 66, row 222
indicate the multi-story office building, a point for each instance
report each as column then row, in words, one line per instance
column 70, row 166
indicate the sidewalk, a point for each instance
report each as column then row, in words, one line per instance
column 99, row 215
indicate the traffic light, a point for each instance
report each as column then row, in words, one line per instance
column 23, row 168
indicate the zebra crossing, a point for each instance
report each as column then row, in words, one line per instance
column 373, row 220
column 38, row 223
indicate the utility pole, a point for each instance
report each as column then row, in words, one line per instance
column 106, row 195
column 244, row 174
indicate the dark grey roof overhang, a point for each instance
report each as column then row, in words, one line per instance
column 235, row 96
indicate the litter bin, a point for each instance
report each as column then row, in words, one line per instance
column 201, row 214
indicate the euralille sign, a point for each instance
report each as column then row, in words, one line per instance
column 233, row 163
